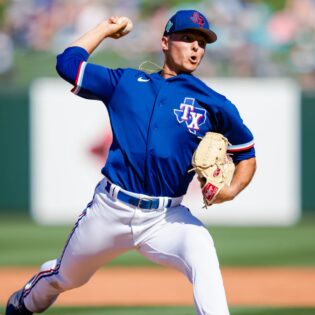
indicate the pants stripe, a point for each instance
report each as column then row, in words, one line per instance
column 48, row 273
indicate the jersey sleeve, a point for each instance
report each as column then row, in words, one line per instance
column 240, row 137
column 90, row 80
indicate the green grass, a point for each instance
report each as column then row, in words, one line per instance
column 285, row 246
column 22, row 242
column 170, row 311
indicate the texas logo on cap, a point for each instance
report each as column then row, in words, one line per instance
column 198, row 18
column 190, row 20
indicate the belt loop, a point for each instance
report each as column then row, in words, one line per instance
column 161, row 202
column 115, row 191
column 111, row 188
column 164, row 202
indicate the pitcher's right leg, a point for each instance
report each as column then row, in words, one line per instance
column 101, row 233
column 77, row 264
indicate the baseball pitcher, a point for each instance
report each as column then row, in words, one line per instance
column 167, row 126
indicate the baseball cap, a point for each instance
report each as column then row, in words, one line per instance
column 190, row 20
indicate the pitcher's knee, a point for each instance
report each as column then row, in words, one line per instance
column 61, row 283
column 49, row 265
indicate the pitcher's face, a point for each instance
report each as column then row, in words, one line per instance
column 183, row 51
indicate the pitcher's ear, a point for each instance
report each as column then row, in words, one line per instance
column 164, row 42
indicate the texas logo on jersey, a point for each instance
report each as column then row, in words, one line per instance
column 192, row 116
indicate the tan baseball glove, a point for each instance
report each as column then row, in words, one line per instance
column 213, row 166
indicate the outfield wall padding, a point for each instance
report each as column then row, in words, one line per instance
column 14, row 150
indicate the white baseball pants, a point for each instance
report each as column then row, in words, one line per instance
column 109, row 227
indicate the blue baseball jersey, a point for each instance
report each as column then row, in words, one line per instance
column 157, row 123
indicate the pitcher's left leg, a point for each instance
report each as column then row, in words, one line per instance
column 184, row 243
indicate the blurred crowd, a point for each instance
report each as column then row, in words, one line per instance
column 253, row 40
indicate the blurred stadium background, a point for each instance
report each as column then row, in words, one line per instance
column 258, row 39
